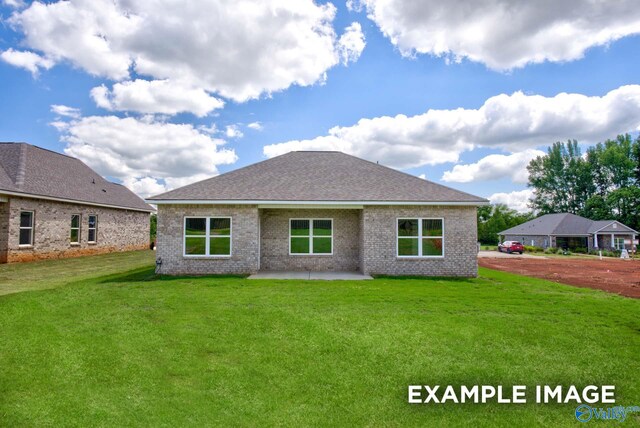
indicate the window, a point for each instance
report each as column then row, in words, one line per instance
column 74, row 238
column 207, row 236
column 26, row 228
column 92, row 235
column 618, row 243
column 311, row 236
column 420, row 237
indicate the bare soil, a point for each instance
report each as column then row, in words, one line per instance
column 612, row 275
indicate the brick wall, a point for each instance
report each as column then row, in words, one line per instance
column 118, row 230
column 460, row 242
column 541, row 241
column 4, row 231
column 244, row 240
column 274, row 251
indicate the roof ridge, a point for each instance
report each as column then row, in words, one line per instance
column 22, row 166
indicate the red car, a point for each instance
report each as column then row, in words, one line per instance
column 511, row 247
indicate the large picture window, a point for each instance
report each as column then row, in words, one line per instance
column 92, row 231
column 26, row 228
column 420, row 237
column 74, row 236
column 207, row 236
column 311, row 236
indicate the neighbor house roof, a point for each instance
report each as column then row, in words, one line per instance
column 317, row 177
column 31, row 171
column 561, row 224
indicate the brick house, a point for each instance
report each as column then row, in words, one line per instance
column 317, row 211
column 564, row 230
column 55, row 206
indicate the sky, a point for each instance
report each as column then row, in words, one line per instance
column 159, row 94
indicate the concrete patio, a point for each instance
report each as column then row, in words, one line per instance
column 325, row 276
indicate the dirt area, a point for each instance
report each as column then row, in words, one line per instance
column 612, row 275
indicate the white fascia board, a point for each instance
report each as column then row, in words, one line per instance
column 308, row 203
column 629, row 230
column 71, row 201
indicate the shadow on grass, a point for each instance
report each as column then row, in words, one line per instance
column 425, row 278
column 148, row 274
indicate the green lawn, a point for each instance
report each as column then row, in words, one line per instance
column 127, row 348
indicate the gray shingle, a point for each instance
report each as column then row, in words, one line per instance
column 558, row 224
column 318, row 176
column 39, row 172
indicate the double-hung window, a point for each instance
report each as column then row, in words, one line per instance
column 207, row 236
column 74, row 237
column 26, row 228
column 420, row 237
column 311, row 236
column 92, row 235
column 618, row 243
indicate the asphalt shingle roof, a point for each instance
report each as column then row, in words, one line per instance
column 318, row 176
column 559, row 224
column 39, row 172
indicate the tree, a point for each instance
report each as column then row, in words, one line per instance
column 493, row 219
column 561, row 179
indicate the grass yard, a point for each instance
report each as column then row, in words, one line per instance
column 118, row 346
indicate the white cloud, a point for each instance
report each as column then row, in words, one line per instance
column 256, row 126
column 156, row 96
column 28, row 60
column 148, row 156
column 232, row 131
column 65, row 111
column 494, row 167
column 503, row 34
column 15, row 4
column 423, row 176
column 238, row 51
column 516, row 200
column 513, row 123
column 351, row 43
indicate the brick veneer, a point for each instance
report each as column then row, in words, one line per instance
column 364, row 240
column 460, row 242
column 118, row 230
column 274, row 249
column 244, row 240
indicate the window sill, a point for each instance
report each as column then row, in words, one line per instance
column 92, row 243
column 25, row 246
column 310, row 255
column 418, row 257
column 74, row 244
column 205, row 257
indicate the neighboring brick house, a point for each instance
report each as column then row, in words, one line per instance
column 317, row 211
column 571, row 231
column 55, row 206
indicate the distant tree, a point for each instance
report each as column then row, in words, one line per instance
column 153, row 227
column 561, row 180
column 604, row 184
column 493, row 219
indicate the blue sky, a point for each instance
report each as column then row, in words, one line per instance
column 396, row 61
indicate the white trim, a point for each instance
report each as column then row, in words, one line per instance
column 207, row 236
column 79, row 228
column 419, row 237
column 31, row 228
column 294, row 206
column 95, row 229
column 71, row 201
column 323, row 203
column 310, row 237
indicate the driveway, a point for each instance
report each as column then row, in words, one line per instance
column 497, row 255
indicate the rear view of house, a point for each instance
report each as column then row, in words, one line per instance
column 317, row 211
column 54, row 206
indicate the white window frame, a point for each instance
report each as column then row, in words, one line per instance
column 616, row 240
column 79, row 228
column 31, row 228
column 207, row 237
column 94, row 228
column 419, row 237
column 310, row 237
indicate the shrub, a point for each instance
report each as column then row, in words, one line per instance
column 549, row 250
column 580, row 250
column 533, row 249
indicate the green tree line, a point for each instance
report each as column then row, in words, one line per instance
column 602, row 184
column 496, row 218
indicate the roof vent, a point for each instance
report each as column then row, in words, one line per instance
column 104, row 190
column 93, row 181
